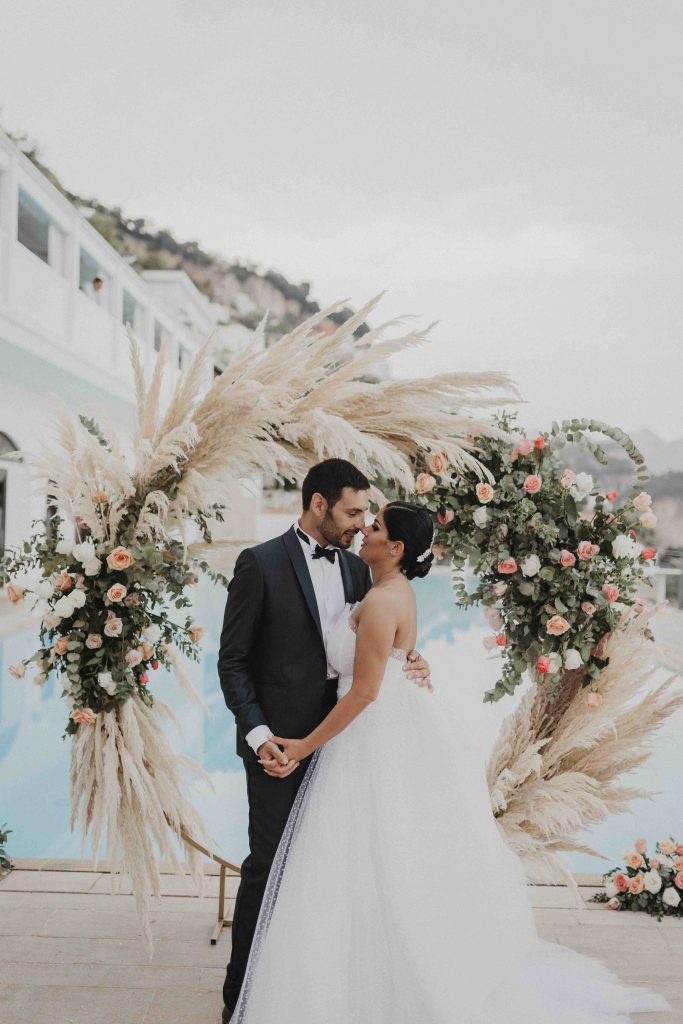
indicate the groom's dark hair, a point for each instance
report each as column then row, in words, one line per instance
column 329, row 478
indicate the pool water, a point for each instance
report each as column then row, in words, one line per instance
column 34, row 759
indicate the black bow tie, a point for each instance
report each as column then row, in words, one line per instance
column 327, row 553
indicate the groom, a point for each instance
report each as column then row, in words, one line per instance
column 284, row 599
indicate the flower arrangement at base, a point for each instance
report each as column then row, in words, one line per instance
column 652, row 884
column 111, row 572
column 557, row 561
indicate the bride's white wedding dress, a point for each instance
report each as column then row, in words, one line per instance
column 393, row 898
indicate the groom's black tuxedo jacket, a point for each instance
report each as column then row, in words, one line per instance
column 272, row 664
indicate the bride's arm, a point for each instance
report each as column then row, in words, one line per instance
column 376, row 633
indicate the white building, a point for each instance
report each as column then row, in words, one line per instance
column 65, row 295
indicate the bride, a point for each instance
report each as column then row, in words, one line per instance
column 393, row 897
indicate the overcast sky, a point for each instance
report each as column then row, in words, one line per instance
column 512, row 169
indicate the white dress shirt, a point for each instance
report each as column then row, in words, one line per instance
column 328, row 587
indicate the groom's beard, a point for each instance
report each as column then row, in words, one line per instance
column 333, row 535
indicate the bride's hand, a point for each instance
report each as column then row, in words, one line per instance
column 295, row 750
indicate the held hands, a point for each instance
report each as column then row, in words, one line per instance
column 417, row 670
column 274, row 762
column 295, row 750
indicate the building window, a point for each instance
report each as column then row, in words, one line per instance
column 159, row 336
column 34, row 226
column 6, row 446
column 91, row 280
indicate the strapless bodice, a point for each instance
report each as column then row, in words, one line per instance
column 341, row 651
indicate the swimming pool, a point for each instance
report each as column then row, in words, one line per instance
column 34, row 760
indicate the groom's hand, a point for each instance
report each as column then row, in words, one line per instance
column 417, row 670
column 275, row 763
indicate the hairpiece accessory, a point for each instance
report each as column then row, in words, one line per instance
column 421, row 558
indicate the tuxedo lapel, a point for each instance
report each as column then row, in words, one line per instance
column 298, row 560
column 349, row 589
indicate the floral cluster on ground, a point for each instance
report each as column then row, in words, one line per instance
column 652, row 883
column 558, row 562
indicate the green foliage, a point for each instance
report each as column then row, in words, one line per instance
column 5, row 862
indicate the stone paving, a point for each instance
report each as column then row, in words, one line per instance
column 70, row 951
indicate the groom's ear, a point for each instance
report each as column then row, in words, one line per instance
column 318, row 504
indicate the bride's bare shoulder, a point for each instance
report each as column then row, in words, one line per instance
column 386, row 600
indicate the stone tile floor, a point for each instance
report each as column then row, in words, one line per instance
column 70, row 951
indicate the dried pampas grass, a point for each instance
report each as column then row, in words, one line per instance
column 557, row 765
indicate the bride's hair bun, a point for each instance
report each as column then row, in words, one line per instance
column 411, row 524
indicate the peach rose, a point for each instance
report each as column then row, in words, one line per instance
column 64, row 581
column 93, row 641
column 84, row 716
column 484, row 492
column 113, row 627
column 593, row 699
column 507, row 566
column 567, row 558
column 641, row 845
column 642, row 501
column 557, row 625
column 100, row 498
column 678, row 880
column 120, row 558
column 532, row 484
column 586, row 550
column 667, row 847
column 15, row 592
column 525, row 446
column 438, row 464
column 635, row 860
column 425, row 483
column 588, row 608
column 446, row 517
column 610, row 592
column 543, row 663
column 620, row 881
column 568, row 478
column 117, row 592
column 61, row 646
column 637, row 884
column 196, row 633
column 679, row 850
column 678, row 863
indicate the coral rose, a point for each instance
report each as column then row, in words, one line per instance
column 557, row 625
column 539, row 442
column 61, row 646
column 612, row 495
column 621, row 882
column 507, row 566
column 567, row 558
column 143, row 679
column 446, row 517
column 120, row 558
column 532, row 484
column 484, row 492
column 15, row 592
column 84, row 716
column 425, row 483
column 501, row 639
column 637, row 884
column 648, row 553
column 117, row 592
column 438, row 464
column 543, row 663
column 610, row 592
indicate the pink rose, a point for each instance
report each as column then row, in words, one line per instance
column 514, row 454
column 484, row 492
column 610, row 592
column 143, row 679
column 539, row 442
column 446, row 517
column 543, row 663
column 84, row 716
column 667, row 847
column 567, row 558
column 61, row 646
column 641, row 845
column 532, row 484
column 196, row 633
column 113, row 627
column 586, row 550
column 64, row 581
column 637, row 884
column 679, row 850
column 612, row 495
column 15, row 592
column 678, row 863
column 133, row 657
column 593, row 699
column 425, row 483
column 438, row 464
column 525, row 446
column 93, row 641
column 635, row 861
column 117, row 592
column 557, row 625
column 501, row 639
column 678, row 880
column 642, row 501
column 507, row 566
column 568, row 478
column 588, row 608
column 639, row 606
column 120, row 558
column 620, row 881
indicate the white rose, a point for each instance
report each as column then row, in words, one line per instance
column 653, row 881
column 573, row 660
column 50, row 620
column 92, row 566
column 45, row 588
column 77, row 598
column 151, row 634
column 106, row 682
column 555, row 662
column 611, row 889
column 671, row 897
column 642, row 501
column 666, row 862
column 492, row 616
column 527, row 588
column 481, row 515
column 582, row 486
column 648, row 520
column 65, row 547
column 64, row 607
column 84, row 552
column 624, row 546
column 530, row 565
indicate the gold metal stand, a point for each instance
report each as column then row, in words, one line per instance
column 225, row 865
